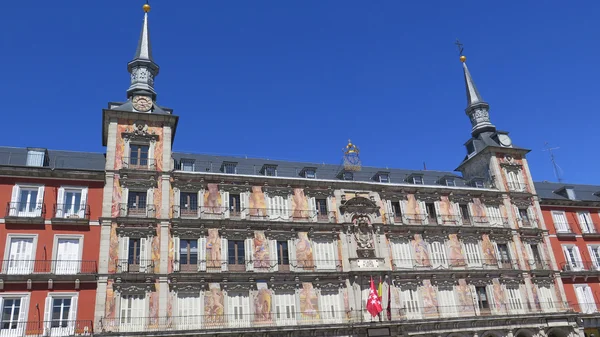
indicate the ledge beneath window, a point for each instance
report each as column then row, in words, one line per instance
column 566, row 235
column 70, row 221
column 593, row 236
column 24, row 220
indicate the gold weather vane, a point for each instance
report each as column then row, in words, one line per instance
column 146, row 7
column 460, row 47
column 351, row 157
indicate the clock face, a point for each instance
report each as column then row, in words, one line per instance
column 142, row 103
column 504, row 140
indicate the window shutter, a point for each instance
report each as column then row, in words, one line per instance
column 177, row 253
column 40, row 201
column 493, row 215
column 570, row 263
column 560, row 221
column 578, row 261
column 515, row 304
column 60, row 202
column 83, row 206
column 200, row 202
column 438, row 215
column 225, row 203
column 410, row 303
column 124, row 200
column 423, row 211
column 331, row 210
column 292, row 252
column 531, row 260
column 473, row 256
column 48, row 314
column 150, row 207
column 224, row 249
column 401, row 253
column 312, row 204
column 249, row 254
column 438, row 254
column 273, row 255
column 244, row 201
column 73, row 311
column 202, row 253
column 589, row 298
column 123, row 254
column 498, row 256
column 270, row 208
column 287, row 209
column 389, row 210
column 144, row 253
column 457, row 214
column 532, row 217
column 22, row 313
column 14, row 200
column 403, row 207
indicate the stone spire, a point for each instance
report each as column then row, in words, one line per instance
column 142, row 68
column 477, row 109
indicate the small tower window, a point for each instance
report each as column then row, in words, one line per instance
column 269, row 170
column 571, row 194
column 384, row 178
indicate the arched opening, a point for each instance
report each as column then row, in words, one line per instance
column 492, row 334
column 455, row 334
column 557, row 332
column 523, row 333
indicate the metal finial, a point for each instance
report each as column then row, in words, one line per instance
column 460, row 47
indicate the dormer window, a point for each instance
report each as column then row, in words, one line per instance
column 36, row 157
column 567, row 192
column 450, row 182
column 309, row 173
column 571, row 193
column 382, row 177
column 478, row 183
column 470, row 147
column 416, row 179
column 229, row 167
column 348, row 175
column 187, row 165
column 269, row 170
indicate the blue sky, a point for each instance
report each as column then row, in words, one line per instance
column 295, row 79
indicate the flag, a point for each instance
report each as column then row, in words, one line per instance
column 373, row 302
column 380, row 289
column 389, row 303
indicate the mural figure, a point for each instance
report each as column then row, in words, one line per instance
column 421, row 253
column 299, row 204
column 430, row 303
column 214, row 305
column 499, row 299
column 262, row 306
column 213, row 249
column 212, row 199
column 257, row 205
column 261, row 250
column 304, row 253
column 414, row 214
column 489, row 251
column 446, row 211
column 309, row 305
column 465, row 298
column 479, row 214
column 457, row 257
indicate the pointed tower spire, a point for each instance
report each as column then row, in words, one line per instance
column 477, row 109
column 142, row 68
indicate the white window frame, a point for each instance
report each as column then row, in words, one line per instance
column 61, row 203
column 16, row 200
column 35, row 158
column 575, row 263
column 514, row 300
column 281, row 213
column 285, row 309
column 418, row 180
column 594, row 250
column 559, row 225
column 238, row 314
column 71, row 267
column 447, row 302
column 439, row 248
column 402, row 254
column 585, row 298
column 19, row 268
column 71, row 319
column 411, row 303
column 546, row 296
column 585, row 222
column 473, row 254
column 189, row 312
column 324, row 254
column 330, row 306
column 23, row 313
column 136, row 323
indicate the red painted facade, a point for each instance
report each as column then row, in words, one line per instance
column 26, row 274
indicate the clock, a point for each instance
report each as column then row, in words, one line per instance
column 504, row 140
column 142, row 103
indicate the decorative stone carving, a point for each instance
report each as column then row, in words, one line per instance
column 427, row 197
column 393, row 195
column 188, row 184
column 363, row 233
column 134, row 288
column 359, row 205
column 500, row 237
column 470, row 237
column 139, row 132
column 543, row 281
column 284, row 286
column 460, row 198
column 511, row 282
column 408, row 284
column 198, row 232
column 531, row 238
column 428, row 236
column 235, row 188
column 444, row 284
column 188, row 287
column 318, row 193
column 276, row 191
column 522, row 202
column 147, row 183
column 488, row 199
column 509, row 162
column 136, row 231
column 239, row 286
column 479, row 282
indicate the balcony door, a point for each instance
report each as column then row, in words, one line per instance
column 139, row 156
column 20, row 256
column 136, row 203
column 67, row 256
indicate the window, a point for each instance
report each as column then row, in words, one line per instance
column 595, row 255
column 310, row 174
column 473, row 255
column 187, row 165
column 67, row 256
column 402, row 254
column 573, row 257
column 136, row 203
column 514, row 179
column 504, row 255
column 285, row 308
column 236, row 252
column 278, row 208
column 560, row 222
column 270, row 170
column 329, row 305
column 438, row 254
column 132, row 312
column 188, row 204
column 447, row 302
column 417, row 180
column 321, row 205
column 71, row 202
column 535, row 259
column 464, row 212
column 431, row 213
column 139, row 155
column 21, row 252
column 585, row 297
column 450, row 182
column 571, row 194
column 348, row 175
column 60, row 313
column 546, row 297
column 325, row 254
column 410, row 303
column 229, row 168
column 14, row 314
column 188, row 253
column 283, row 257
column 585, row 221
column 35, row 158
column 478, row 183
column 134, row 254
column 515, row 304
column 189, row 310
column 238, row 309
column 27, row 201
column 494, row 216
column 384, row 178
column 482, row 298
column 234, row 204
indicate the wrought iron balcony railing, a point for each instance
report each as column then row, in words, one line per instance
column 54, row 267
column 218, row 212
column 135, row 266
column 448, row 220
column 534, row 264
column 243, row 265
column 25, row 210
column 586, row 267
column 137, row 211
column 517, row 187
column 315, row 317
column 586, row 307
column 72, row 211
column 135, row 163
column 452, row 264
column 564, row 228
column 51, row 328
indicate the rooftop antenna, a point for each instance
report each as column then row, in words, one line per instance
column 557, row 168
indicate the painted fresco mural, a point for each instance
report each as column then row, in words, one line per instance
column 304, row 253
column 421, row 252
column 300, row 208
column 258, row 207
column 489, row 251
column 126, row 125
column 396, row 302
column 478, row 210
column 156, row 250
column 154, row 308
column 113, row 252
column 213, row 249
column 465, row 298
column 214, row 305
column 346, row 302
column 413, row 209
column 455, row 252
column 110, row 309
column 499, row 296
column 263, row 304
column 430, row 303
column 536, row 297
column 212, row 199
column 447, row 213
column 115, row 209
column 261, row 255
column 309, row 302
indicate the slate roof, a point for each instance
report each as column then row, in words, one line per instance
column 546, row 190
column 56, row 159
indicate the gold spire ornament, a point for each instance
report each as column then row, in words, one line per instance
column 463, row 58
column 350, row 148
column 351, row 158
column 146, row 7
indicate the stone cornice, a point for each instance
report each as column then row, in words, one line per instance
column 278, row 191
column 235, row 188
column 136, row 231
column 318, row 192
column 51, row 173
column 134, row 288
column 132, row 182
column 188, row 184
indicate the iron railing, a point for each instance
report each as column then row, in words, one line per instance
column 580, row 266
column 136, row 163
column 437, row 264
column 54, row 267
column 219, row 212
column 243, row 265
column 517, row 187
column 534, row 264
column 52, row 328
column 137, row 211
column 291, row 317
column 586, row 308
column 135, row 266
column 72, row 211
column 25, row 210
column 448, row 220
column 565, row 228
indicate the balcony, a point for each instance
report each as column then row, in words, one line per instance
column 585, row 268
column 528, row 223
column 453, row 264
column 218, row 212
column 449, row 220
column 565, row 231
column 71, row 214
column 321, row 319
column 414, row 219
column 539, row 265
column 42, row 269
column 517, row 187
column 591, row 232
column 137, row 211
column 135, row 266
column 242, row 265
column 25, row 212
column 53, row 328
column 135, row 163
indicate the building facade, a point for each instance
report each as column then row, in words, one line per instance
column 572, row 212
column 50, row 238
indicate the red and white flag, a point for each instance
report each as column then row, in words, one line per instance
column 373, row 302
